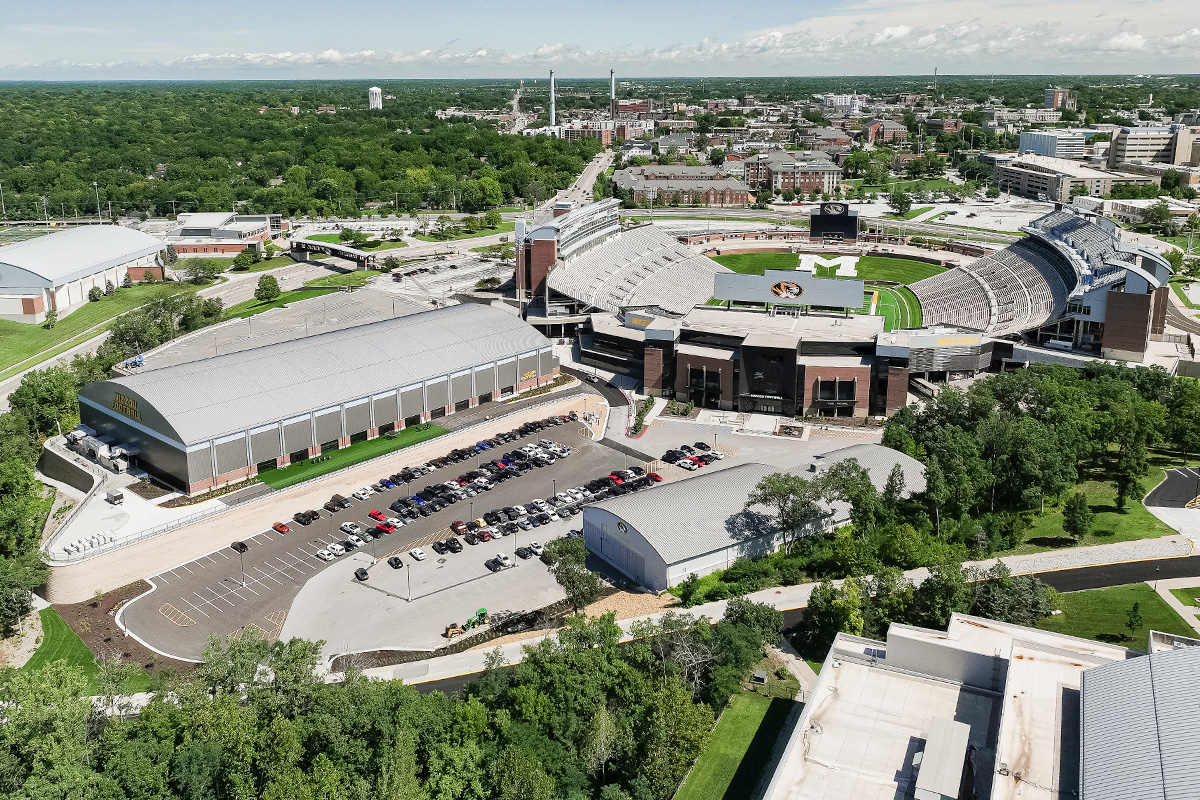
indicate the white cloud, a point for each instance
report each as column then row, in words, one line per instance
column 859, row 37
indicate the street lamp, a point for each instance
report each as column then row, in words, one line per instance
column 242, row 562
column 96, row 189
column 3, row 210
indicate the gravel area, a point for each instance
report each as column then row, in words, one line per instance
column 626, row 605
column 1165, row 547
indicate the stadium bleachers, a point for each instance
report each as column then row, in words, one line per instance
column 644, row 267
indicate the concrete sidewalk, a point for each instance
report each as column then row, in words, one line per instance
column 1188, row 613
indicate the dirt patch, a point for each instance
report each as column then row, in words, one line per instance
column 95, row 622
column 19, row 648
column 148, row 489
column 184, row 500
column 59, row 509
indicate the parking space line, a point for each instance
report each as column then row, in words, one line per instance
column 198, row 608
column 234, row 590
column 222, row 552
column 221, row 596
column 269, row 575
column 184, row 566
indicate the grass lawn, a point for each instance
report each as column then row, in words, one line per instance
column 1189, row 597
column 251, row 307
column 19, row 340
column 348, row 456
column 1177, row 285
column 373, row 244
column 356, row 278
column 887, row 268
column 1109, row 526
column 505, row 227
column 1100, row 614
column 757, row 263
column 60, row 643
column 912, row 213
column 899, row 307
column 280, row 260
column 740, row 749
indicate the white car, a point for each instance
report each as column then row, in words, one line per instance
column 418, row 554
column 522, row 511
column 354, row 540
column 575, row 494
column 540, row 504
column 503, row 560
column 336, row 549
column 564, row 497
column 583, row 492
column 363, row 493
column 395, row 521
column 690, row 466
column 536, row 548
column 715, row 453
column 352, row 528
column 325, row 555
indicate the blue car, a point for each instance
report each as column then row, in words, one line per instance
column 483, row 445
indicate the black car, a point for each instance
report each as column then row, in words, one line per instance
column 453, row 545
column 348, row 545
column 395, row 562
column 701, row 446
column 361, row 574
column 470, row 538
column 492, row 517
column 331, row 506
column 425, row 510
column 524, row 553
column 438, row 548
column 239, row 547
column 689, row 450
column 543, row 518
column 616, row 491
column 637, row 471
column 341, row 501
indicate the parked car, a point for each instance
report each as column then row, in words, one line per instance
column 361, row 574
column 504, row 559
column 340, row 501
column 458, row 526
column 336, row 548
column 524, row 553
column 325, row 555
column 524, row 524
column 483, row 535
column 687, row 464
column 438, row 548
column 239, row 547
column 395, row 562
column 385, row 527
column 418, row 554
column 688, row 450
column 350, row 527
column 536, row 548
column 701, row 446
column 376, row 515
column 280, row 527
column 470, row 538
column 363, row 493
column 357, row 540
column 453, row 545
column 654, row 476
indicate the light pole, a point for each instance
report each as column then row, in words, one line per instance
column 96, row 189
column 3, row 210
column 408, row 574
column 242, row 562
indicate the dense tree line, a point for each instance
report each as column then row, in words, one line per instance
column 579, row 718
column 219, row 152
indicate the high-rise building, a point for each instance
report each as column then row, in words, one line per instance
column 1059, row 98
column 1054, row 143
column 1165, row 145
column 375, row 97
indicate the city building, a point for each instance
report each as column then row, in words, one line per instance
column 884, row 130
column 643, row 106
column 220, row 420
column 935, row 125
column 1060, row 179
column 223, row 232
column 1053, row 143
column 1172, row 144
column 375, row 98
column 58, row 270
column 1040, row 116
column 724, row 192
column 987, row 709
column 803, row 171
column 701, row 524
column 1059, row 98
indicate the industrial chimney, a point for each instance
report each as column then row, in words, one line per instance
column 551, row 98
column 612, row 93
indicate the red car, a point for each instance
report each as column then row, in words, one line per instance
column 385, row 527
column 459, row 527
column 483, row 536
column 376, row 515
column 279, row 526
column 654, row 476
column 617, row 478
column 699, row 462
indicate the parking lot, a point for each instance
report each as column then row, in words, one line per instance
column 225, row 591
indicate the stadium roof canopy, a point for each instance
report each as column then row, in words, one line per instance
column 216, row 396
column 62, row 257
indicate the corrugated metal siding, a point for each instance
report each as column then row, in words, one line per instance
column 506, row 373
column 329, row 426
column 412, row 403
column 526, row 365
column 297, row 436
column 545, row 363
column 231, row 455
column 199, row 464
column 358, row 418
column 438, row 393
column 485, row 380
column 387, row 408
column 265, row 445
column 460, row 385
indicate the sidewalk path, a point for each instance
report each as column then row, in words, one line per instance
column 1164, row 587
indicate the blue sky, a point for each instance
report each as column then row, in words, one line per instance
column 123, row 39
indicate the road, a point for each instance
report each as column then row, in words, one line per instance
column 612, row 394
column 1182, row 486
column 1071, row 580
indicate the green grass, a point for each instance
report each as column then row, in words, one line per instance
column 1177, row 285
column 912, row 213
column 887, row 268
column 60, row 643
column 19, row 340
column 740, row 749
column 373, row 244
column 1187, row 596
column 356, row 278
column 1100, row 614
column 1110, row 525
column 757, row 263
column 251, row 307
column 899, row 307
column 505, row 227
column 280, row 260
column 354, row 454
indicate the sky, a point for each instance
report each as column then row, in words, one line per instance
column 395, row 39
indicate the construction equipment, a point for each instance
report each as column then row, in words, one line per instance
column 481, row 618
column 454, row 629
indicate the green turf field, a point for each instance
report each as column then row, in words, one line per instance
column 899, row 307
column 60, row 643
column 251, row 307
column 740, row 749
column 348, row 456
column 1101, row 614
column 757, row 263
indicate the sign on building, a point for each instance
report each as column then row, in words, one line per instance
column 791, row 287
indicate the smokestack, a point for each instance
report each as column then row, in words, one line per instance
column 552, row 98
column 612, row 93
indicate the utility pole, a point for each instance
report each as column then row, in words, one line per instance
column 96, row 188
column 3, row 210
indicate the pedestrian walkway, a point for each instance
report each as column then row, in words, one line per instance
column 1188, row 613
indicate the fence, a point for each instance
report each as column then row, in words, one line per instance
column 55, row 559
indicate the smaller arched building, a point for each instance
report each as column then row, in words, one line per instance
column 701, row 524
column 220, row 420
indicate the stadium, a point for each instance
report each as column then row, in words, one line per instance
column 840, row 335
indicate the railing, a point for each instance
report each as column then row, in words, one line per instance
column 158, row 530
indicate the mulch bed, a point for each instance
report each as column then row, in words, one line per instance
column 148, row 489
column 96, row 625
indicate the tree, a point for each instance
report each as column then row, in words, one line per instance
column 1133, row 619
column 602, row 742
column 242, row 261
column 127, row 282
column 267, row 289
column 390, row 263
column 900, row 201
column 1157, row 215
column 795, row 502
column 201, row 271
column 95, row 293
column 566, row 559
column 993, row 192
column 170, row 256
column 1077, row 516
column 492, row 219
column 51, row 319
